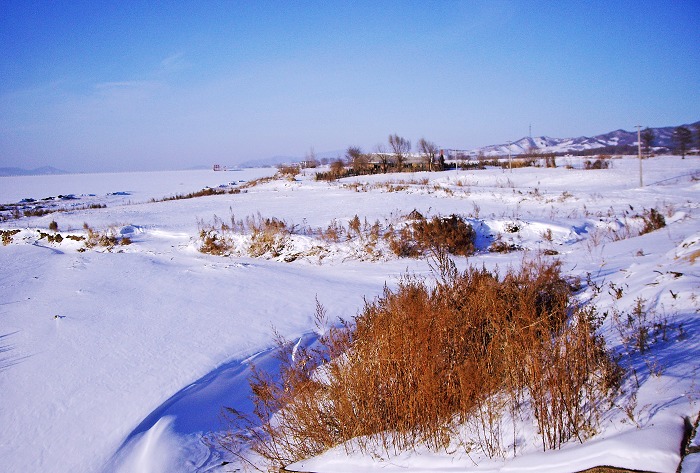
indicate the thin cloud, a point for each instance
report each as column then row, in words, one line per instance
column 129, row 84
column 173, row 63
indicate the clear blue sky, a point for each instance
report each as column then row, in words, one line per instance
column 92, row 85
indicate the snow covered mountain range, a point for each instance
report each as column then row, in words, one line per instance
column 612, row 142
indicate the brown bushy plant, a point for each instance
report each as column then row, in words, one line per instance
column 424, row 358
column 95, row 238
column 268, row 236
column 653, row 220
column 603, row 162
column 521, row 162
column 439, row 234
column 288, row 170
column 7, row 236
column 213, row 243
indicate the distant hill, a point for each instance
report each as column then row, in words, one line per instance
column 617, row 141
column 9, row 171
column 614, row 142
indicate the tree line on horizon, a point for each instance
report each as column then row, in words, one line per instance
column 398, row 155
column 682, row 139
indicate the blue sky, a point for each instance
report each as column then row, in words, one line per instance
column 116, row 86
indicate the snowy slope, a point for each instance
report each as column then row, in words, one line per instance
column 120, row 360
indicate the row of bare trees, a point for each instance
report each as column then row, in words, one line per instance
column 396, row 157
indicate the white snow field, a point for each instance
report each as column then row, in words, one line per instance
column 119, row 359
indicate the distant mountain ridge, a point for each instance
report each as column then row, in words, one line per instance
column 617, row 141
column 614, row 141
column 10, row 171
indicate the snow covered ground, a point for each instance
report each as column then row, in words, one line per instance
column 120, row 359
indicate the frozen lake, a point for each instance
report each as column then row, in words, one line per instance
column 140, row 186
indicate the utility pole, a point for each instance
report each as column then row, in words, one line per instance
column 639, row 152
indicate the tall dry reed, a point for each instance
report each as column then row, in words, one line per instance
column 423, row 359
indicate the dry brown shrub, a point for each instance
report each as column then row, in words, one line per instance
column 214, row 244
column 402, row 242
column 355, row 225
column 288, row 170
column 7, row 236
column 422, row 359
column 518, row 163
column 333, row 232
column 602, row 162
column 104, row 239
column 268, row 236
column 653, row 220
column 440, row 234
column 256, row 182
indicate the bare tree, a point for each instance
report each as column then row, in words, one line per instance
column 383, row 157
column 400, row 147
column 429, row 151
column 357, row 159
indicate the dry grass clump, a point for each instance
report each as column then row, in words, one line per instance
column 213, row 243
column 95, row 238
column 268, row 236
column 7, row 236
column 207, row 191
column 502, row 246
column 51, row 237
column 32, row 208
column 257, row 236
column 440, row 234
column 516, row 163
column 629, row 227
column 653, row 220
column 106, row 239
column 602, row 162
column 255, row 182
column 422, row 360
column 288, row 170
